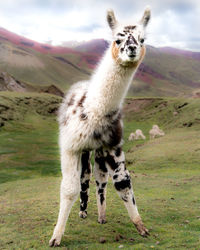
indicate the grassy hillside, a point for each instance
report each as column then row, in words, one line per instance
column 16, row 106
column 165, row 173
column 164, row 71
column 36, row 68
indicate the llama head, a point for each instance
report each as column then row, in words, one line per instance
column 128, row 40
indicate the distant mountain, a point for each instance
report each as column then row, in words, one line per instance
column 164, row 72
column 96, row 46
column 43, row 64
column 174, row 51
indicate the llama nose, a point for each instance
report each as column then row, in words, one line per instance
column 132, row 48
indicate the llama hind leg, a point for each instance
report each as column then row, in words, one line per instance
column 122, row 183
column 69, row 190
column 85, row 179
column 101, row 176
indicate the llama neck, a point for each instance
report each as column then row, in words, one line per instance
column 109, row 85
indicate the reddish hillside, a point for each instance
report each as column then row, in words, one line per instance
column 161, row 64
column 179, row 52
column 164, row 71
column 89, row 58
column 96, row 46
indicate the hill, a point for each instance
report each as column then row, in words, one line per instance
column 164, row 72
column 40, row 64
column 9, row 83
column 14, row 107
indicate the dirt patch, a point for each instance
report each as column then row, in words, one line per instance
column 136, row 105
column 52, row 89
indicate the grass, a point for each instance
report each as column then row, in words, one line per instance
column 26, row 152
column 165, row 174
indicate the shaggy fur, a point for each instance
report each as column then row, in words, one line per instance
column 90, row 119
column 155, row 132
column 137, row 135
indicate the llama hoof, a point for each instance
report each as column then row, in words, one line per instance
column 55, row 241
column 102, row 221
column 83, row 214
column 142, row 230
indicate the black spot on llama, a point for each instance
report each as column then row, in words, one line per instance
column 90, row 119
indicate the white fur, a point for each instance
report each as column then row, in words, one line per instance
column 131, row 137
column 103, row 94
column 155, row 131
column 137, row 135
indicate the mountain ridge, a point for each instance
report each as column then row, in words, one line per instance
column 165, row 71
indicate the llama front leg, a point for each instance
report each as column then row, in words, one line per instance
column 85, row 179
column 70, row 188
column 122, row 183
column 101, row 176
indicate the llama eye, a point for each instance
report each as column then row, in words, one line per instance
column 118, row 41
column 142, row 40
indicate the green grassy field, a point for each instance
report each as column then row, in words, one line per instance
column 165, row 174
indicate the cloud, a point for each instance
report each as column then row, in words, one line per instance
column 174, row 22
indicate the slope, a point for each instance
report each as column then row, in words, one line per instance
column 165, row 174
column 164, row 72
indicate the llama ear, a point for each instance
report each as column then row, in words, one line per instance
column 146, row 17
column 112, row 21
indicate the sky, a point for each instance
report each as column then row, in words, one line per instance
column 174, row 23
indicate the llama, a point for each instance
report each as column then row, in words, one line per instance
column 137, row 135
column 155, row 131
column 131, row 137
column 90, row 119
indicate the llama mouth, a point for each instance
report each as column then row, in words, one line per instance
column 132, row 55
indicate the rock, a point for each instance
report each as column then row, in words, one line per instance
column 52, row 89
column 8, row 82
